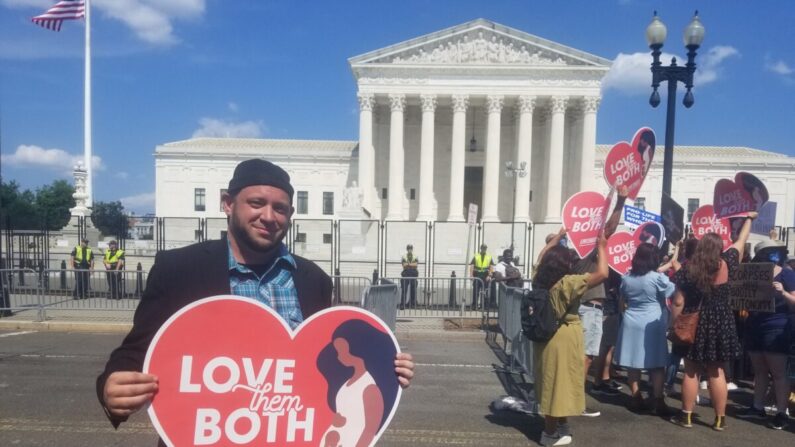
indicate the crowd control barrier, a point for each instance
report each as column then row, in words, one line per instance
column 382, row 300
column 518, row 348
column 434, row 297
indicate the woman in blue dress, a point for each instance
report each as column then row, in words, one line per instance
column 641, row 338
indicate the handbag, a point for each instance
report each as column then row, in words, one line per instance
column 684, row 328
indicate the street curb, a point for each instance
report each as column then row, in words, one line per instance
column 72, row 326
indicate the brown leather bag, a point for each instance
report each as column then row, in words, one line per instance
column 685, row 325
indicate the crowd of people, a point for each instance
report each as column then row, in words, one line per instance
column 643, row 321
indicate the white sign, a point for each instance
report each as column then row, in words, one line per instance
column 472, row 217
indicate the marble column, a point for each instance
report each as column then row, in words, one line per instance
column 555, row 159
column 426, row 158
column 457, row 160
column 588, row 148
column 366, row 151
column 491, row 169
column 524, row 146
column 396, row 152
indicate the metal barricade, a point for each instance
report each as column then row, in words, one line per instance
column 517, row 346
column 349, row 290
column 20, row 292
column 382, row 299
column 434, row 297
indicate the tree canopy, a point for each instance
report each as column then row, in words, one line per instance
column 47, row 207
column 109, row 218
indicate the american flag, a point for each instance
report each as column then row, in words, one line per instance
column 63, row 10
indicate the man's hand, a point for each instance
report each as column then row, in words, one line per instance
column 127, row 392
column 623, row 191
column 404, row 368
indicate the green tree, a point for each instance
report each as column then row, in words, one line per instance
column 19, row 207
column 109, row 218
column 53, row 203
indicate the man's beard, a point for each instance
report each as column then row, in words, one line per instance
column 245, row 239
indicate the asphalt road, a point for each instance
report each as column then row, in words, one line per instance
column 47, row 398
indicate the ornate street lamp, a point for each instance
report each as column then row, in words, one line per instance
column 511, row 171
column 655, row 35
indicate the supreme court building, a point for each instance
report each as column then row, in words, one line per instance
column 439, row 117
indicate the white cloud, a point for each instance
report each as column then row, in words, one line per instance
column 780, row 67
column 233, row 107
column 145, row 202
column 211, row 127
column 631, row 73
column 150, row 20
column 31, row 156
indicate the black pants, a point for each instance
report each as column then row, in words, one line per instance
column 81, row 284
column 476, row 286
column 408, row 285
column 114, row 284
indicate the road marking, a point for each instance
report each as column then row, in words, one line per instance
column 11, row 334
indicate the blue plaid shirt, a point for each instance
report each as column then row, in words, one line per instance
column 275, row 288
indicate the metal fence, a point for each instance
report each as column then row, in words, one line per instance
column 433, row 297
column 518, row 348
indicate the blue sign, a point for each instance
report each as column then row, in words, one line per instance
column 633, row 217
column 766, row 220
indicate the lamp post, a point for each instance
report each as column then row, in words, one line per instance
column 673, row 74
column 511, row 171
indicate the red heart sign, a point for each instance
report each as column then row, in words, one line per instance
column 622, row 245
column 733, row 198
column 627, row 164
column 584, row 217
column 704, row 221
column 620, row 249
column 231, row 372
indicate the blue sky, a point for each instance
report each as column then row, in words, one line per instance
column 165, row 70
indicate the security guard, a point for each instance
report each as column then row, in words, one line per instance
column 482, row 266
column 407, row 285
column 82, row 260
column 114, row 264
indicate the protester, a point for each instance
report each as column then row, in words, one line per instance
column 507, row 272
column 688, row 248
column 702, row 286
column 408, row 282
column 641, row 340
column 481, row 267
column 559, row 375
column 768, row 338
column 251, row 260
column 604, row 370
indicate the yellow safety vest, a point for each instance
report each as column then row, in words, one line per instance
column 482, row 262
column 79, row 254
column 115, row 257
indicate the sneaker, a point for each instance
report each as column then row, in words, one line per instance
column 779, row 421
column 719, row 424
column 554, row 439
column 605, row 389
column 614, row 385
column 703, row 385
column 590, row 413
column 564, row 429
column 752, row 413
column 683, row 419
column 731, row 386
column 772, row 410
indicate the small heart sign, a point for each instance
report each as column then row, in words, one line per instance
column 734, row 198
column 705, row 221
column 231, row 372
column 622, row 245
column 627, row 164
column 584, row 217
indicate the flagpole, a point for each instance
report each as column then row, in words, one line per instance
column 87, row 110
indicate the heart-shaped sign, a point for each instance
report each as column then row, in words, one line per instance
column 620, row 249
column 231, row 372
column 705, row 221
column 627, row 164
column 584, row 217
column 622, row 245
column 734, row 198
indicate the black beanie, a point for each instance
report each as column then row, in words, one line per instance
column 260, row 172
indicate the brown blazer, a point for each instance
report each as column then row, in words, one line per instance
column 184, row 275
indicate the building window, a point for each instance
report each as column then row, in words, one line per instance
column 413, row 194
column 300, row 237
column 326, row 238
column 221, row 199
column 692, row 206
column 199, row 199
column 640, row 202
column 383, row 193
column 328, row 203
column 302, row 203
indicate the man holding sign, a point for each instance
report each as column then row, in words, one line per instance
column 251, row 261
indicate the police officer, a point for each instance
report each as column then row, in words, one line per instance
column 482, row 266
column 409, row 263
column 82, row 260
column 114, row 263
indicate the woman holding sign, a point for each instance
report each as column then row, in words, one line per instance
column 702, row 285
column 559, row 368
